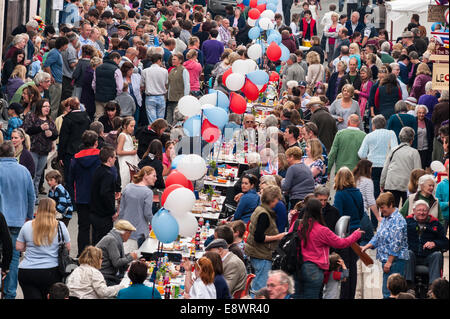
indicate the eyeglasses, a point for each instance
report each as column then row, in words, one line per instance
column 249, row 122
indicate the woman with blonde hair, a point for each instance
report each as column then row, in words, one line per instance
column 316, row 71
column 315, row 161
column 423, row 75
column 355, row 53
column 86, row 281
column 17, row 79
column 21, row 142
column 343, row 107
column 136, row 206
column 39, row 239
column 202, row 287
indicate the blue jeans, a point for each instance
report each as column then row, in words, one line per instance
column 311, row 282
column 398, row 266
column 11, row 278
column 155, row 106
column 262, row 268
column 39, row 161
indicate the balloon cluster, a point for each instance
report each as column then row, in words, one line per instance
column 178, row 199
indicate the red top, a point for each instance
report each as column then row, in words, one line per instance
column 332, row 41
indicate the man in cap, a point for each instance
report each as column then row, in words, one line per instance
column 233, row 267
column 305, row 97
column 115, row 261
column 408, row 41
column 123, row 31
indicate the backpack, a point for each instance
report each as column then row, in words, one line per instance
column 288, row 255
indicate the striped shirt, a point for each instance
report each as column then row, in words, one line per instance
column 365, row 186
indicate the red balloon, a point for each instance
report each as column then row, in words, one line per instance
column 254, row 14
column 175, row 177
column 190, row 186
column 237, row 103
column 253, row 3
column 273, row 52
column 261, row 7
column 210, row 132
column 167, row 192
column 250, row 90
column 241, row 5
column 274, row 77
column 225, row 75
column 263, row 88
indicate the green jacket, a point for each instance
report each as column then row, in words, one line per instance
column 160, row 23
column 344, row 151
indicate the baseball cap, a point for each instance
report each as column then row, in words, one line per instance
column 302, row 83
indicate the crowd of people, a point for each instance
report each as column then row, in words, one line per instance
column 92, row 112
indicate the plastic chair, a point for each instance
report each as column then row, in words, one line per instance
column 244, row 292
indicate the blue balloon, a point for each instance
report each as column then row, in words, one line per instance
column 261, row 2
column 217, row 116
column 258, row 77
column 275, row 2
column 274, row 37
column 246, row 3
column 193, row 126
column 223, row 101
column 284, row 53
column 254, row 33
column 165, row 226
column 271, row 6
column 176, row 160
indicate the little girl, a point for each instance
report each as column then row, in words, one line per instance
column 60, row 195
column 333, row 278
column 126, row 151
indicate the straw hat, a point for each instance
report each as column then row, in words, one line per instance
column 314, row 100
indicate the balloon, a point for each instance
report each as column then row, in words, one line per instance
column 239, row 1
column 251, row 65
column 240, row 66
column 167, row 192
column 216, row 116
column 208, row 99
column 261, row 7
column 254, row 51
column 284, row 53
column 176, row 160
column 271, row 7
column 189, row 106
column 241, row 5
column 245, row 2
column 263, row 89
column 192, row 126
column 165, row 226
column 190, row 186
column 210, row 132
column 273, row 52
column 235, row 81
column 250, row 90
column 187, row 224
column 225, row 75
column 175, row 177
column 223, row 101
column 192, row 166
column 253, row 3
column 251, row 22
column 265, row 23
column 258, row 77
column 254, row 33
column 262, row 2
column 274, row 37
column 254, row 13
column 268, row 14
column 274, row 76
column 180, row 200
column 237, row 103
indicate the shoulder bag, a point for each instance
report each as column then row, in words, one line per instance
column 66, row 264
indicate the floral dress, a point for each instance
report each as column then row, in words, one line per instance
column 320, row 164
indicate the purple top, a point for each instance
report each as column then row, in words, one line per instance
column 212, row 50
column 430, row 101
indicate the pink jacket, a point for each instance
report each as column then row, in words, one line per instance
column 194, row 69
column 320, row 238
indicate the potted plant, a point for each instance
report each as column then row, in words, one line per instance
column 212, row 168
column 209, row 192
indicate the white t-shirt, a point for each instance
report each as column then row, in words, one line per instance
column 201, row 291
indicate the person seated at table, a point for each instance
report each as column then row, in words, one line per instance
column 153, row 157
column 203, row 286
column 249, row 200
column 168, row 156
column 137, row 290
column 115, row 261
column 222, row 290
column 234, row 269
column 426, row 239
column 226, row 232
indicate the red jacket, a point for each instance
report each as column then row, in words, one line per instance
column 312, row 28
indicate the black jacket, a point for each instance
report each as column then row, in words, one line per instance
column 6, row 247
column 103, row 191
column 105, row 82
column 433, row 231
column 145, row 135
column 326, row 125
column 152, row 161
column 73, row 126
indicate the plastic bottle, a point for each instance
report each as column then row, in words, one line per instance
column 207, row 226
column 167, row 292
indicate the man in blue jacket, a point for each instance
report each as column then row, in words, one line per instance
column 354, row 24
column 17, row 205
column 426, row 239
column 82, row 168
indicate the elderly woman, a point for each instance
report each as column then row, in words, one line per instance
column 401, row 119
column 263, row 236
column 391, row 240
column 375, row 146
column 423, row 76
column 399, row 164
column 425, row 135
column 316, row 71
column 115, row 261
column 342, row 108
column 19, row 43
column 427, row 186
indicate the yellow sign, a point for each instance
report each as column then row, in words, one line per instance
column 440, row 76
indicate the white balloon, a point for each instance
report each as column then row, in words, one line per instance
column 267, row 14
column 187, row 224
column 264, row 23
column 208, row 99
column 189, row 106
column 235, row 81
column 207, row 106
column 255, row 51
column 437, row 166
column 193, row 166
column 251, row 22
column 239, row 66
column 251, row 65
column 180, row 200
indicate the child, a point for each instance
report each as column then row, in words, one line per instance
column 14, row 110
column 126, row 102
column 60, row 195
column 334, row 277
column 396, row 284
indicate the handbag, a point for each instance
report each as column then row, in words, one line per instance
column 66, row 264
